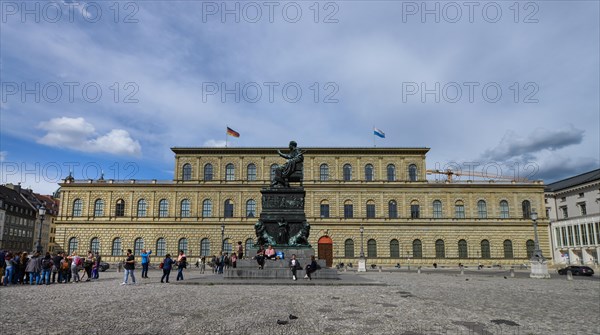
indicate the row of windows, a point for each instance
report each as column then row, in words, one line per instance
column 440, row 249
column 415, row 209
column 323, row 172
column 577, row 235
column 17, row 232
column 160, row 249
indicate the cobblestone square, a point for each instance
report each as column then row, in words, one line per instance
column 394, row 302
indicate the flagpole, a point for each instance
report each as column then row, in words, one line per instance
column 226, row 135
column 373, row 136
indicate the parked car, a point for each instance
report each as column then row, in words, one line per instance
column 577, row 270
column 104, row 266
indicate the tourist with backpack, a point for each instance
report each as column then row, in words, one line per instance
column 56, row 267
column 34, row 267
column 76, row 265
column 65, row 267
column 46, row 268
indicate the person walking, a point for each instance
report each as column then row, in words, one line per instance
column 129, row 268
column 145, row 262
column 167, row 265
column 181, row 264
column 202, row 264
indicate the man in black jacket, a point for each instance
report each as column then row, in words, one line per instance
column 56, row 267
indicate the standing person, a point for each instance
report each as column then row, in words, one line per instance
column 88, row 264
column 240, row 250
column 202, row 264
column 167, row 266
column 294, row 265
column 233, row 260
column 21, row 275
column 129, row 268
column 9, row 270
column 56, row 267
column 76, row 262
column 221, row 261
column 145, row 262
column 96, row 275
column 65, row 270
column 312, row 267
column 34, row 266
column 181, row 264
column 47, row 264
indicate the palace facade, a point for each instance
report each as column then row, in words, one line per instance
column 214, row 201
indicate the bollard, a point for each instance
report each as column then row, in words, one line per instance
column 380, row 269
column 345, row 269
column 569, row 275
column 462, row 271
column 409, row 268
column 512, row 273
column 419, row 270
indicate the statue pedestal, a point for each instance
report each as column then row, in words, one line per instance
column 362, row 265
column 282, row 221
column 539, row 269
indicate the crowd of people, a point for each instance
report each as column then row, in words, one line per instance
column 37, row 269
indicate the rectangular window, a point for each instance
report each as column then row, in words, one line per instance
column 584, row 235
column 348, row 211
column 414, row 211
column 459, row 211
column 582, row 209
column 591, row 231
column 570, row 229
column 557, row 237
column 597, row 228
column 437, row 210
column 577, row 235
column 370, row 211
column 565, row 213
column 564, row 236
column 324, row 210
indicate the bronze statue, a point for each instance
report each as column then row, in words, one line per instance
column 293, row 164
column 283, row 234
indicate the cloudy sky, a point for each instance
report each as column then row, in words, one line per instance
column 92, row 86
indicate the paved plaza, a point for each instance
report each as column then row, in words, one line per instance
column 390, row 302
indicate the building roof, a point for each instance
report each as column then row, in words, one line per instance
column 573, row 181
column 309, row 150
column 10, row 196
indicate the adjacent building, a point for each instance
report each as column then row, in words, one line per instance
column 573, row 208
column 214, row 200
column 17, row 220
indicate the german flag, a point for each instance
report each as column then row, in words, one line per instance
column 232, row 132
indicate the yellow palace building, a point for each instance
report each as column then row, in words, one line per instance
column 377, row 200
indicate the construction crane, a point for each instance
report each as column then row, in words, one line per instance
column 449, row 173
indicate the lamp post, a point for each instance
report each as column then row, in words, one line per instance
column 222, row 236
column 362, row 263
column 539, row 266
column 42, row 212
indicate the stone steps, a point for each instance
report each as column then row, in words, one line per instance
column 277, row 273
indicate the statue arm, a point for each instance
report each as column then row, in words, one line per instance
column 283, row 155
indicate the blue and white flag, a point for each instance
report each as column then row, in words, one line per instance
column 378, row 132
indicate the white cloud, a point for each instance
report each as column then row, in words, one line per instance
column 214, row 143
column 78, row 134
column 3, row 155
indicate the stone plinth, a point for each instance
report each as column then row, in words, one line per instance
column 539, row 269
column 275, row 269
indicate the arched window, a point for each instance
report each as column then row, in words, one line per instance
column 370, row 209
column 481, row 209
column 324, row 210
column 248, row 246
column 250, row 208
column 415, row 210
column 440, row 250
column 185, row 208
column 508, row 249
column 417, row 247
column 227, row 246
column 99, row 207
column 371, row 248
column 228, row 209
column 463, row 251
column 183, row 245
column 394, row 249
column 208, row 172
column 205, row 247
column 530, row 247
column 347, row 172
column 526, row 209
column 206, row 208
column 412, row 172
column 95, row 245
column 348, row 210
column 485, row 249
column 141, row 208
column 161, row 247
column 77, row 207
column 393, row 209
column 138, row 245
column 163, row 208
column 251, row 172
column 349, row 248
column 120, row 208
column 324, row 172
column 369, row 172
column 459, row 209
column 437, row 209
column 187, row 171
column 117, row 248
column 272, row 171
column 229, row 172
column 391, row 172
column 504, row 209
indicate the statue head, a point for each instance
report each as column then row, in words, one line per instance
column 293, row 145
